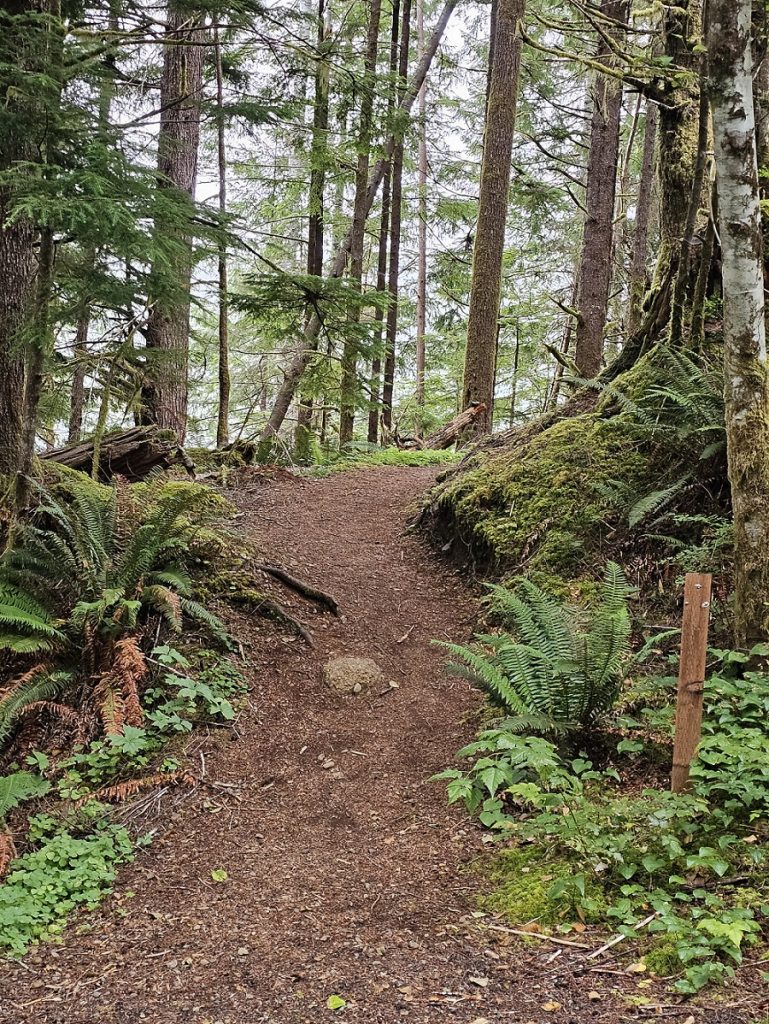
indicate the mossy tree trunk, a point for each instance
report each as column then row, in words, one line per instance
column 21, row 48
column 637, row 279
column 595, row 267
column 168, row 326
column 485, row 289
column 746, row 376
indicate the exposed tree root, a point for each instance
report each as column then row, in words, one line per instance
column 305, row 589
column 270, row 609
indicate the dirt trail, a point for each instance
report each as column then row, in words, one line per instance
column 347, row 871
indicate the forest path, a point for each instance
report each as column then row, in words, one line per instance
column 346, row 869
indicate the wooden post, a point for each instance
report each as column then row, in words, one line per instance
column 691, row 676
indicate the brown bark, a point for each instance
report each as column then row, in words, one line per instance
column 381, row 285
column 680, row 288
column 131, row 454
column 486, row 287
column 304, row 350
column 168, row 325
column 17, row 239
column 222, row 420
column 39, row 346
column 600, row 196
column 349, row 385
column 396, row 217
column 316, row 201
column 419, row 396
column 638, row 278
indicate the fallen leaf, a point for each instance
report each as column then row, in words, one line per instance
column 480, row 982
column 593, row 995
column 551, row 1007
column 637, row 968
column 480, row 1020
column 219, row 875
column 690, row 1019
column 336, row 1003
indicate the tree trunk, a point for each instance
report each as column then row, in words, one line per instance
column 304, row 350
column 746, row 378
column 421, row 235
column 681, row 286
column 223, row 416
column 17, row 239
column 39, row 347
column 77, row 391
column 486, row 287
column 168, row 325
column 601, row 191
column 349, row 385
column 396, row 216
column 638, row 280
column 381, row 285
column 316, row 204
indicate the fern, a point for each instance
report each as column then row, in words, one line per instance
column 43, row 687
column 20, row 786
column 77, row 586
column 552, row 676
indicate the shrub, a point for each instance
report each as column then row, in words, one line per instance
column 77, row 588
column 556, row 672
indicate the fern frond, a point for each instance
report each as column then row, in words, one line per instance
column 214, row 625
column 20, row 786
column 43, row 687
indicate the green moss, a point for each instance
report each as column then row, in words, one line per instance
column 662, row 958
column 548, row 506
column 530, row 889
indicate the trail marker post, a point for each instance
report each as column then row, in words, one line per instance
column 691, row 676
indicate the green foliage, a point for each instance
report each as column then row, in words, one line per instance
column 63, row 874
column 554, row 666
column 549, row 499
column 362, row 456
column 675, row 862
column 20, row 786
column 81, row 579
column 73, row 560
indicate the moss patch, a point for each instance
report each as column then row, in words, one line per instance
column 549, row 892
column 547, row 509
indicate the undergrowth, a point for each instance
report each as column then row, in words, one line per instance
column 362, row 456
column 686, row 875
column 97, row 697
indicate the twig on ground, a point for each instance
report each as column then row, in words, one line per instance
column 620, row 938
column 536, row 935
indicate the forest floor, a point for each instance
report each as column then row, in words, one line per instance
column 347, row 874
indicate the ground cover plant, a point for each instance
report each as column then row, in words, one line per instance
column 682, row 876
column 110, row 660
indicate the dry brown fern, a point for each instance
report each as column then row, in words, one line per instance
column 26, row 677
column 123, row 790
column 110, row 704
column 117, row 691
column 62, row 711
column 130, row 667
column 7, row 852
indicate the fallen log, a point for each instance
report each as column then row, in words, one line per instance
column 132, row 454
column 448, row 434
